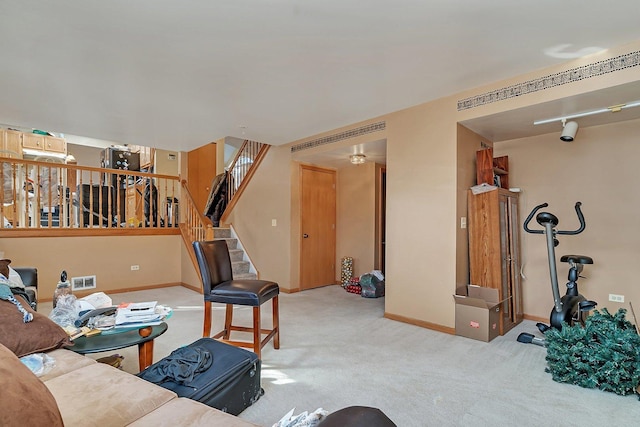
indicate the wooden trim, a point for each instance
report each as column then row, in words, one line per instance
column 192, row 288
column 7, row 233
column 245, row 182
column 421, row 323
column 536, row 318
column 81, row 294
column 289, row 291
column 380, row 217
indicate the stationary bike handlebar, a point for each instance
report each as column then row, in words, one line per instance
column 566, row 232
column 549, row 222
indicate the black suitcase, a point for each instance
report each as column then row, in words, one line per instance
column 231, row 383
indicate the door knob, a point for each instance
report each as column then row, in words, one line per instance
column 305, row 235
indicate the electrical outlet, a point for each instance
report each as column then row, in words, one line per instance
column 616, row 298
column 135, row 267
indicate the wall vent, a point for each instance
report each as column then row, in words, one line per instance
column 587, row 71
column 82, row 283
column 330, row 139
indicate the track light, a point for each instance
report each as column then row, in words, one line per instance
column 611, row 109
column 569, row 130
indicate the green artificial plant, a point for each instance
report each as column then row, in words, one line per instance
column 603, row 354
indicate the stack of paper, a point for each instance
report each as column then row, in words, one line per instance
column 138, row 314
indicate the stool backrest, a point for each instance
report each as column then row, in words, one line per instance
column 214, row 263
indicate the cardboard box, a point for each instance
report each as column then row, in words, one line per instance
column 477, row 312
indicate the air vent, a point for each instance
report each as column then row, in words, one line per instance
column 82, row 283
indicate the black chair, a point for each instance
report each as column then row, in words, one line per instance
column 29, row 276
column 219, row 286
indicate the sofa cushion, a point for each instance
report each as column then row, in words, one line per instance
column 65, row 361
column 26, row 401
column 39, row 335
column 101, row 395
column 186, row 412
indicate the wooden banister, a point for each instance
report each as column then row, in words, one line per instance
column 254, row 152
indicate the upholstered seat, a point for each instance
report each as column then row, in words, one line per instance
column 219, row 286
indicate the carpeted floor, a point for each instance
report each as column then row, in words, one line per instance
column 338, row 350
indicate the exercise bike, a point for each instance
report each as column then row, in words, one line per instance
column 572, row 308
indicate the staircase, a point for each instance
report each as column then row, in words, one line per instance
column 241, row 267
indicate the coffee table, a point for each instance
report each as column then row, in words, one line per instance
column 113, row 340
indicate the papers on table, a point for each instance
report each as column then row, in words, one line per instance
column 139, row 314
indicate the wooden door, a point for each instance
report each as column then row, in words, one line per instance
column 200, row 173
column 318, row 246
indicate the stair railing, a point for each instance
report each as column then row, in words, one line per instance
column 195, row 226
column 246, row 162
column 69, row 199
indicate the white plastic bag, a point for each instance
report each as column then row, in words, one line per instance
column 65, row 312
column 304, row 419
column 38, row 363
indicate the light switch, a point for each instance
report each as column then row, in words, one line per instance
column 463, row 222
column 274, row 222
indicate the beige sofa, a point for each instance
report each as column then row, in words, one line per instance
column 77, row 390
column 90, row 393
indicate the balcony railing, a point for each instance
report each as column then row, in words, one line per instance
column 54, row 196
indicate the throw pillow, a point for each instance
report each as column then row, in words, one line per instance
column 15, row 279
column 26, row 401
column 39, row 335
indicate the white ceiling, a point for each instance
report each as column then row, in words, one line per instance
column 179, row 74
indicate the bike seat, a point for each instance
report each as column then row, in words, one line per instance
column 577, row 259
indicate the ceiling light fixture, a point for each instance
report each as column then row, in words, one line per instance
column 357, row 159
column 569, row 130
column 611, row 109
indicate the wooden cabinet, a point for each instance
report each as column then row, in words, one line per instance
column 494, row 250
column 52, row 144
column 492, row 170
column 57, row 145
column 146, row 155
column 11, row 143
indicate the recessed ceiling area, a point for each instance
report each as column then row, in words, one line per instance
column 518, row 123
column 375, row 152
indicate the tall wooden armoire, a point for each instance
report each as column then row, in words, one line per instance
column 494, row 250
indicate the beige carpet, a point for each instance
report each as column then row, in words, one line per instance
column 337, row 350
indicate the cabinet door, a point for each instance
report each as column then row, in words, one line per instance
column 33, row 141
column 517, row 311
column 13, row 143
column 505, row 265
column 57, row 145
column 510, row 251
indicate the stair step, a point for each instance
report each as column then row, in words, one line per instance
column 222, row 233
column 231, row 243
column 236, row 255
column 240, row 267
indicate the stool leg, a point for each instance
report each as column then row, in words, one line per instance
column 206, row 331
column 228, row 319
column 276, row 322
column 257, row 334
